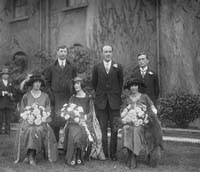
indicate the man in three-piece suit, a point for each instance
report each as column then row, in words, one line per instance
column 107, row 80
column 59, row 85
column 149, row 77
column 6, row 102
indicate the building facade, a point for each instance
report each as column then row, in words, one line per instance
column 167, row 30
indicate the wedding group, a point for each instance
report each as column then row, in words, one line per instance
column 55, row 101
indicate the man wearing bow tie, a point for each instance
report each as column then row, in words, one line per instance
column 59, row 84
column 148, row 76
column 107, row 80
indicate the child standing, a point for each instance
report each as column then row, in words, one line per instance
column 6, row 96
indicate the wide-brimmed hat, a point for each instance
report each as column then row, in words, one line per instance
column 76, row 79
column 36, row 77
column 134, row 81
column 4, row 71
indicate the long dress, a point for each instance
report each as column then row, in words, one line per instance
column 133, row 137
column 76, row 136
column 40, row 138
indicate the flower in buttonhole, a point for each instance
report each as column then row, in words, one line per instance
column 77, row 120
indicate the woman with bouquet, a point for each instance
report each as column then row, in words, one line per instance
column 35, row 135
column 84, row 132
column 136, row 116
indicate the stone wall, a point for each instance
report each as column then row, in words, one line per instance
column 179, row 45
column 129, row 25
column 4, row 32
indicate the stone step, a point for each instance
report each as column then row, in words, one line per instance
column 169, row 134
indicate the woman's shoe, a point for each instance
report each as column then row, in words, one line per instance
column 26, row 160
column 32, row 162
column 78, row 157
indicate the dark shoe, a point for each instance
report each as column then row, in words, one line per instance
column 114, row 158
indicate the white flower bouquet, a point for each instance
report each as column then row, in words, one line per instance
column 137, row 115
column 35, row 114
column 73, row 112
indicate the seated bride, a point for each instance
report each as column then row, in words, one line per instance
column 141, row 127
column 82, row 136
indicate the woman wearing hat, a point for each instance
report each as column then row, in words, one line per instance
column 134, row 135
column 78, row 137
column 35, row 139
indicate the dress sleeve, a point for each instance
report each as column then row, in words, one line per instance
column 47, row 103
column 24, row 102
column 148, row 101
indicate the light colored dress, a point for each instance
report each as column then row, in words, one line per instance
column 40, row 138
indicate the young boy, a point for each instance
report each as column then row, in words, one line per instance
column 6, row 95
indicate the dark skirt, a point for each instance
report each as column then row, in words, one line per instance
column 75, row 137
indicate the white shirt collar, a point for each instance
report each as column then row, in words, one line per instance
column 61, row 62
column 107, row 63
column 144, row 69
column 5, row 82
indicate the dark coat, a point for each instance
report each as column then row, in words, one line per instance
column 108, row 87
column 6, row 101
column 59, row 83
column 151, row 81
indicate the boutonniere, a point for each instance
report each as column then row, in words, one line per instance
column 115, row 65
column 150, row 73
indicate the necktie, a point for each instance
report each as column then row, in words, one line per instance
column 62, row 65
column 107, row 68
column 143, row 73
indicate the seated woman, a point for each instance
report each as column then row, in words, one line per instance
column 34, row 139
column 139, row 134
column 83, row 135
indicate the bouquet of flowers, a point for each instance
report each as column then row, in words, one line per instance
column 138, row 116
column 73, row 112
column 35, row 114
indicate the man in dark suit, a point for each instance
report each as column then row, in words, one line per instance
column 6, row 102
column 107, row 80
column 59, row 85
column 149, row 77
